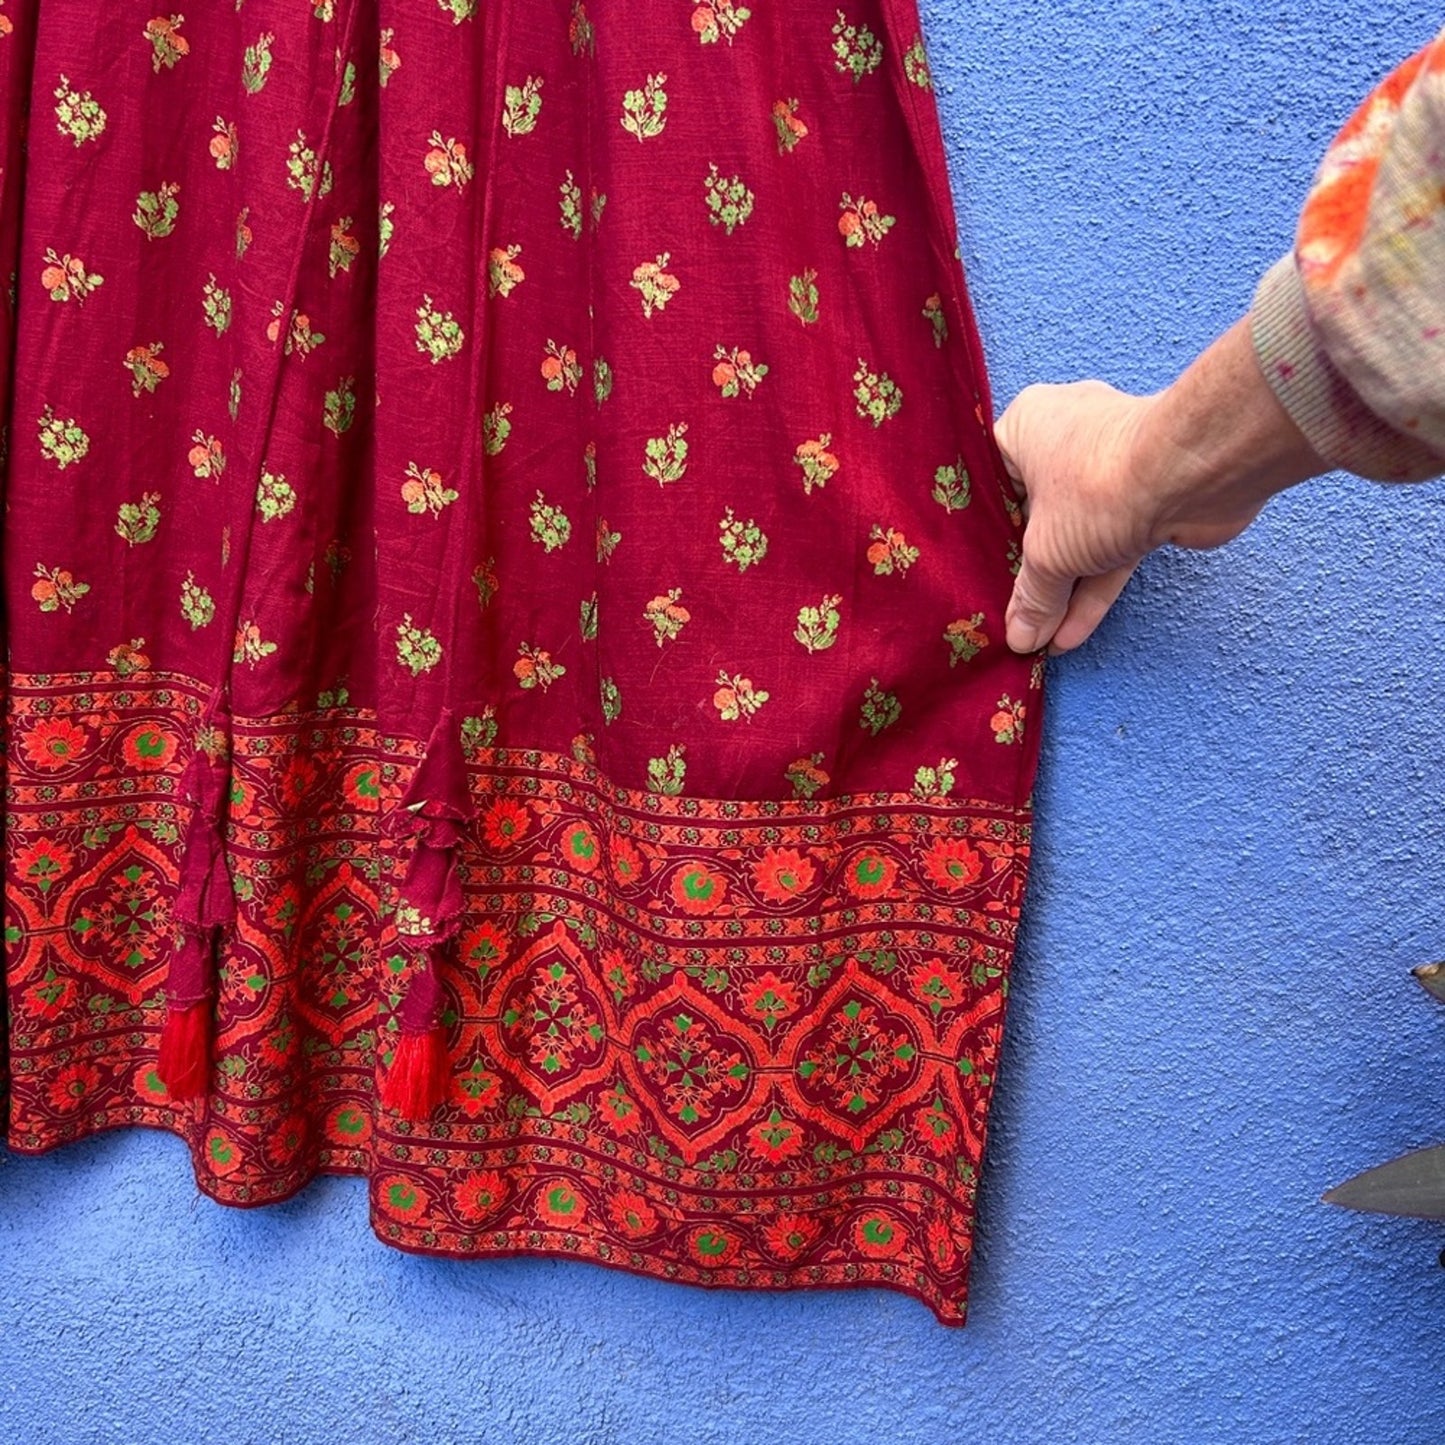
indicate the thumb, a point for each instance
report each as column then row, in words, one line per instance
column 1040, row 599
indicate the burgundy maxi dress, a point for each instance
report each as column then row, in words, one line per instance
column 505, row 561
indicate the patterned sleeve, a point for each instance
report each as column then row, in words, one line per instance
column 1349, row 326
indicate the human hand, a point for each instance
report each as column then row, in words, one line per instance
column 1106, row 477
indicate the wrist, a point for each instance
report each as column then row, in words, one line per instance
column 1212, row 448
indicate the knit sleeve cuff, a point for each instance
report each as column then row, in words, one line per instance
column 1315, row 393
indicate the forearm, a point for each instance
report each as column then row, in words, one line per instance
column 1213, row 447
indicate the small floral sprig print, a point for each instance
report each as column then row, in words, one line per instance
column 666, row 775
column 496, row 428
column 915, row 65
column 459, row 10
column 880, row 709
column 136, row 522
column 146, row 368
column 607, row 540
column 424, row 491
column 550, row 525
column 587, row 619
column 589, row 465
column 534, row 668
column 438, row 333
column 598, row 202
column 207, row 456
column 156, row 211
column 817, row 627
column 667, row 615
column 305, row 171
column 889, row 551
column 743, row 543
column 224, row 143
column 644, row 111
column 55, row 588
column 388, row 60
column 128, row 657
column 275, row 496
column 580, row 32
column 324, row 10
column 735, row 372
column 860, row 221
column 300, row 337
column 64, row 278
column 244, row 234
column 479, row 731
column 933, row 314
column 385, row 228
column 952, row 487
column 665, row 457
column 256, row 63
column 807, row 775
column 446, row 162
column 856, row 50
column 818, row 464
column 714, row 20
column 233, row 395
column 561, row 369
column 601, row 380
column 338, row 407
column 484, row 578
column 521, row 106
column 77, row 113
column 1007, row 724
column 62, row 439
column 347, row 93
column 803, row 296
column 504, row 275
column 197, row 606
column 935, row 782
column 876, row 393
column 729, row 201
column 344, row 249
column 216, row 305
column 656, row 284
column 736, row 697
column 965, row 638
column 570, row 205
column 251, row 647
column 417, row 648
column 790, row 129
column 610, row 696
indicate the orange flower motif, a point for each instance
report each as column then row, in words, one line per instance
column 790, row 1236
column 782, row 874
column 769, row 999
column 506, row 823
column 480, row 1195
column 697, row 889
column 714, row 1247
column 936, row 1131
column 149, row 748
column 400, row 1197
column 620, row 1110
column 476, row 1090
column 560, row 1205
column 879, row 1235
column 580, row 848
column 870, row 874
column 627, row 865
column 953, row 864
column 631, row 1214
column 53, row 743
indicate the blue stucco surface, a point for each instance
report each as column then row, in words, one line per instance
column 1239, row 856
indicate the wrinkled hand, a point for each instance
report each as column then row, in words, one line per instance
column 1106, row 477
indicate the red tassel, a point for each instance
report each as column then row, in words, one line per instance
column 417, row 1080
column 184, row 1064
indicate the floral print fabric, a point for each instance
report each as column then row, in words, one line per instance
column 505, row 564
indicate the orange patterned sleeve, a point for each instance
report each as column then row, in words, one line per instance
column 1349, row 326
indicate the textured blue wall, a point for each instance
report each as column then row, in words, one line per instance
column 1240, row 854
